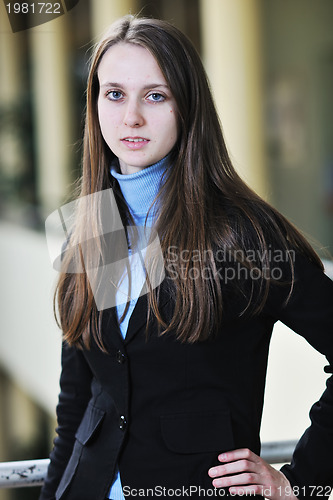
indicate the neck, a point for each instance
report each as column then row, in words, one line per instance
column 140, row 189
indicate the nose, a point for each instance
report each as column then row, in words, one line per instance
column 133, row 115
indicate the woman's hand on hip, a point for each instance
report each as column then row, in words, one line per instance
column 245, row 472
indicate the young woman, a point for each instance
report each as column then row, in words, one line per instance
column 162, row 392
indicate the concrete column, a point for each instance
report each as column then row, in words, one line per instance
column 104, row 12
column 232, row 57
column 53, row 110
column 12, row 90
column 11, row 59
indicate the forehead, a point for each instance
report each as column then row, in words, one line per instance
column 129, row 63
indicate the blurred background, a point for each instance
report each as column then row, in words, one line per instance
column 270, row 64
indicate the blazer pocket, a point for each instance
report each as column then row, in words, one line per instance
column 89, row 424
column 198, row 432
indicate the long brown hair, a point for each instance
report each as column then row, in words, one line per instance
column 204, row 206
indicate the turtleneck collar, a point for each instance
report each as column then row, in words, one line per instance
column 140, row 188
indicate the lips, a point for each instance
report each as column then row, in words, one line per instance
column 134, row 142
column 134, row 139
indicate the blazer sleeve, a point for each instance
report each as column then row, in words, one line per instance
column 309, row 312
column 75, row 392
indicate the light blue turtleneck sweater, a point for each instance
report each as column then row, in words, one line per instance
column 139, row 191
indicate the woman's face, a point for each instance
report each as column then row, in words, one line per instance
column 136, row 110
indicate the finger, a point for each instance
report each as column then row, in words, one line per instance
column 242, row 453
column 234, row 467
column 239, row 479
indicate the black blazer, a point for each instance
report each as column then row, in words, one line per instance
column 163, row 410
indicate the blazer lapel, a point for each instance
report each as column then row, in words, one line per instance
column 111, row 333
column 139, row 315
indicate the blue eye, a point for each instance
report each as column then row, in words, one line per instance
column 156, row 97
column 114, row 95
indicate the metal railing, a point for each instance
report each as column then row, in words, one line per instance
column 33, row 472
column 24, row 473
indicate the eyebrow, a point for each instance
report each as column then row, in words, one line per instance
column 146, row 87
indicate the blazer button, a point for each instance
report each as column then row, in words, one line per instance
column 121, row 357
column 122, row 423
